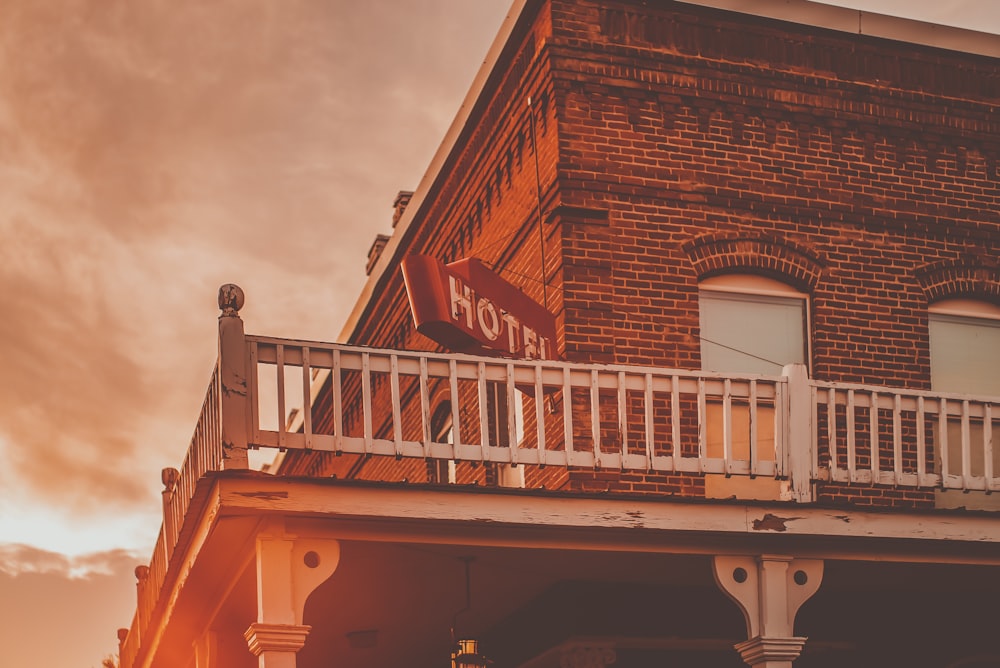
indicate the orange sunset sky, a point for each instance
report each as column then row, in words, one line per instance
column 150, row 151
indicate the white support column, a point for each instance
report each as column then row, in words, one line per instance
column 769, row 590
column 798, row 433
column 288, row 570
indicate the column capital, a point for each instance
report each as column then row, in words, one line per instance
column 761, row 651
column 769, row 589
column 263, row 637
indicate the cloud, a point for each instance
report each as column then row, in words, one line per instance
column 17, row 559
column 151, row 150
column 86, row 599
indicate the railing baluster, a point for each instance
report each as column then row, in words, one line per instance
column 897, row 439
column 216, row 416
column 943, row 438
column 873, row 419
column 675, row 421
column 425, row 409
column 831, row 425
column 814, row 429
column 484, row 424
column 456, row 427
column 988, row 471
column 567, row 400
column 511, row 415
column 782, row 430
column 253, row 396
column 754, row 455
column 921, row 443
column 851, row 436
column 648, row 414
column 622, row 415
column 397, row 422
column 337, row 381
column 595, row 417
column 727, row 426
column 540, row 414
column 366, row 401
column 966, row 447
column 307, row 423
column 702, row 426
column 280, row 371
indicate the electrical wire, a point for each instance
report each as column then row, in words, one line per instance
column 741, row 352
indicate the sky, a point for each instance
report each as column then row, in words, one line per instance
column 150, row 151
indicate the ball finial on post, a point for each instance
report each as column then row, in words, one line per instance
column 231, row 299
column 169, row 478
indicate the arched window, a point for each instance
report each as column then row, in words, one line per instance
column 749, row 324
column 964, row 337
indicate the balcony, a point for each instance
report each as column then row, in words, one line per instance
column 372, row 403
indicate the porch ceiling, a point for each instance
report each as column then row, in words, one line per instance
column 545, row 569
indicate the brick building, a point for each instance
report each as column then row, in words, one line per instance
column 768, row 239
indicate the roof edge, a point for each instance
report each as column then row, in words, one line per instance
column 862, row 22
column 388, row 257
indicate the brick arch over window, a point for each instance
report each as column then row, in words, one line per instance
column 714, row 254
column 942, row 280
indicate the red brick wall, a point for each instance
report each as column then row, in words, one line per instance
column 677, row 143
column 863, row 172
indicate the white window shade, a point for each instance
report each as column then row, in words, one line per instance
column 965, row 354
column 751, row 333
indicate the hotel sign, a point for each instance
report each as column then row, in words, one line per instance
column 467, row 307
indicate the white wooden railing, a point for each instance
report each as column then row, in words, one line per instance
column 586, row 416
column 921, row 439
column 619, row 417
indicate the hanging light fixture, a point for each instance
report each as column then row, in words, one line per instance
column 466, row 655
column 465, row 651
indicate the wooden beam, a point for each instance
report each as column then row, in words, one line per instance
column 548, row 520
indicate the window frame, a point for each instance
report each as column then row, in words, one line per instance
column 959, row 311
column 749, row 288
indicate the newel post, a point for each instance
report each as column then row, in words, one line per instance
column 122, row 637
column 142, row 598
column 169, row 478
column 798, row 433
column 233, row 378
